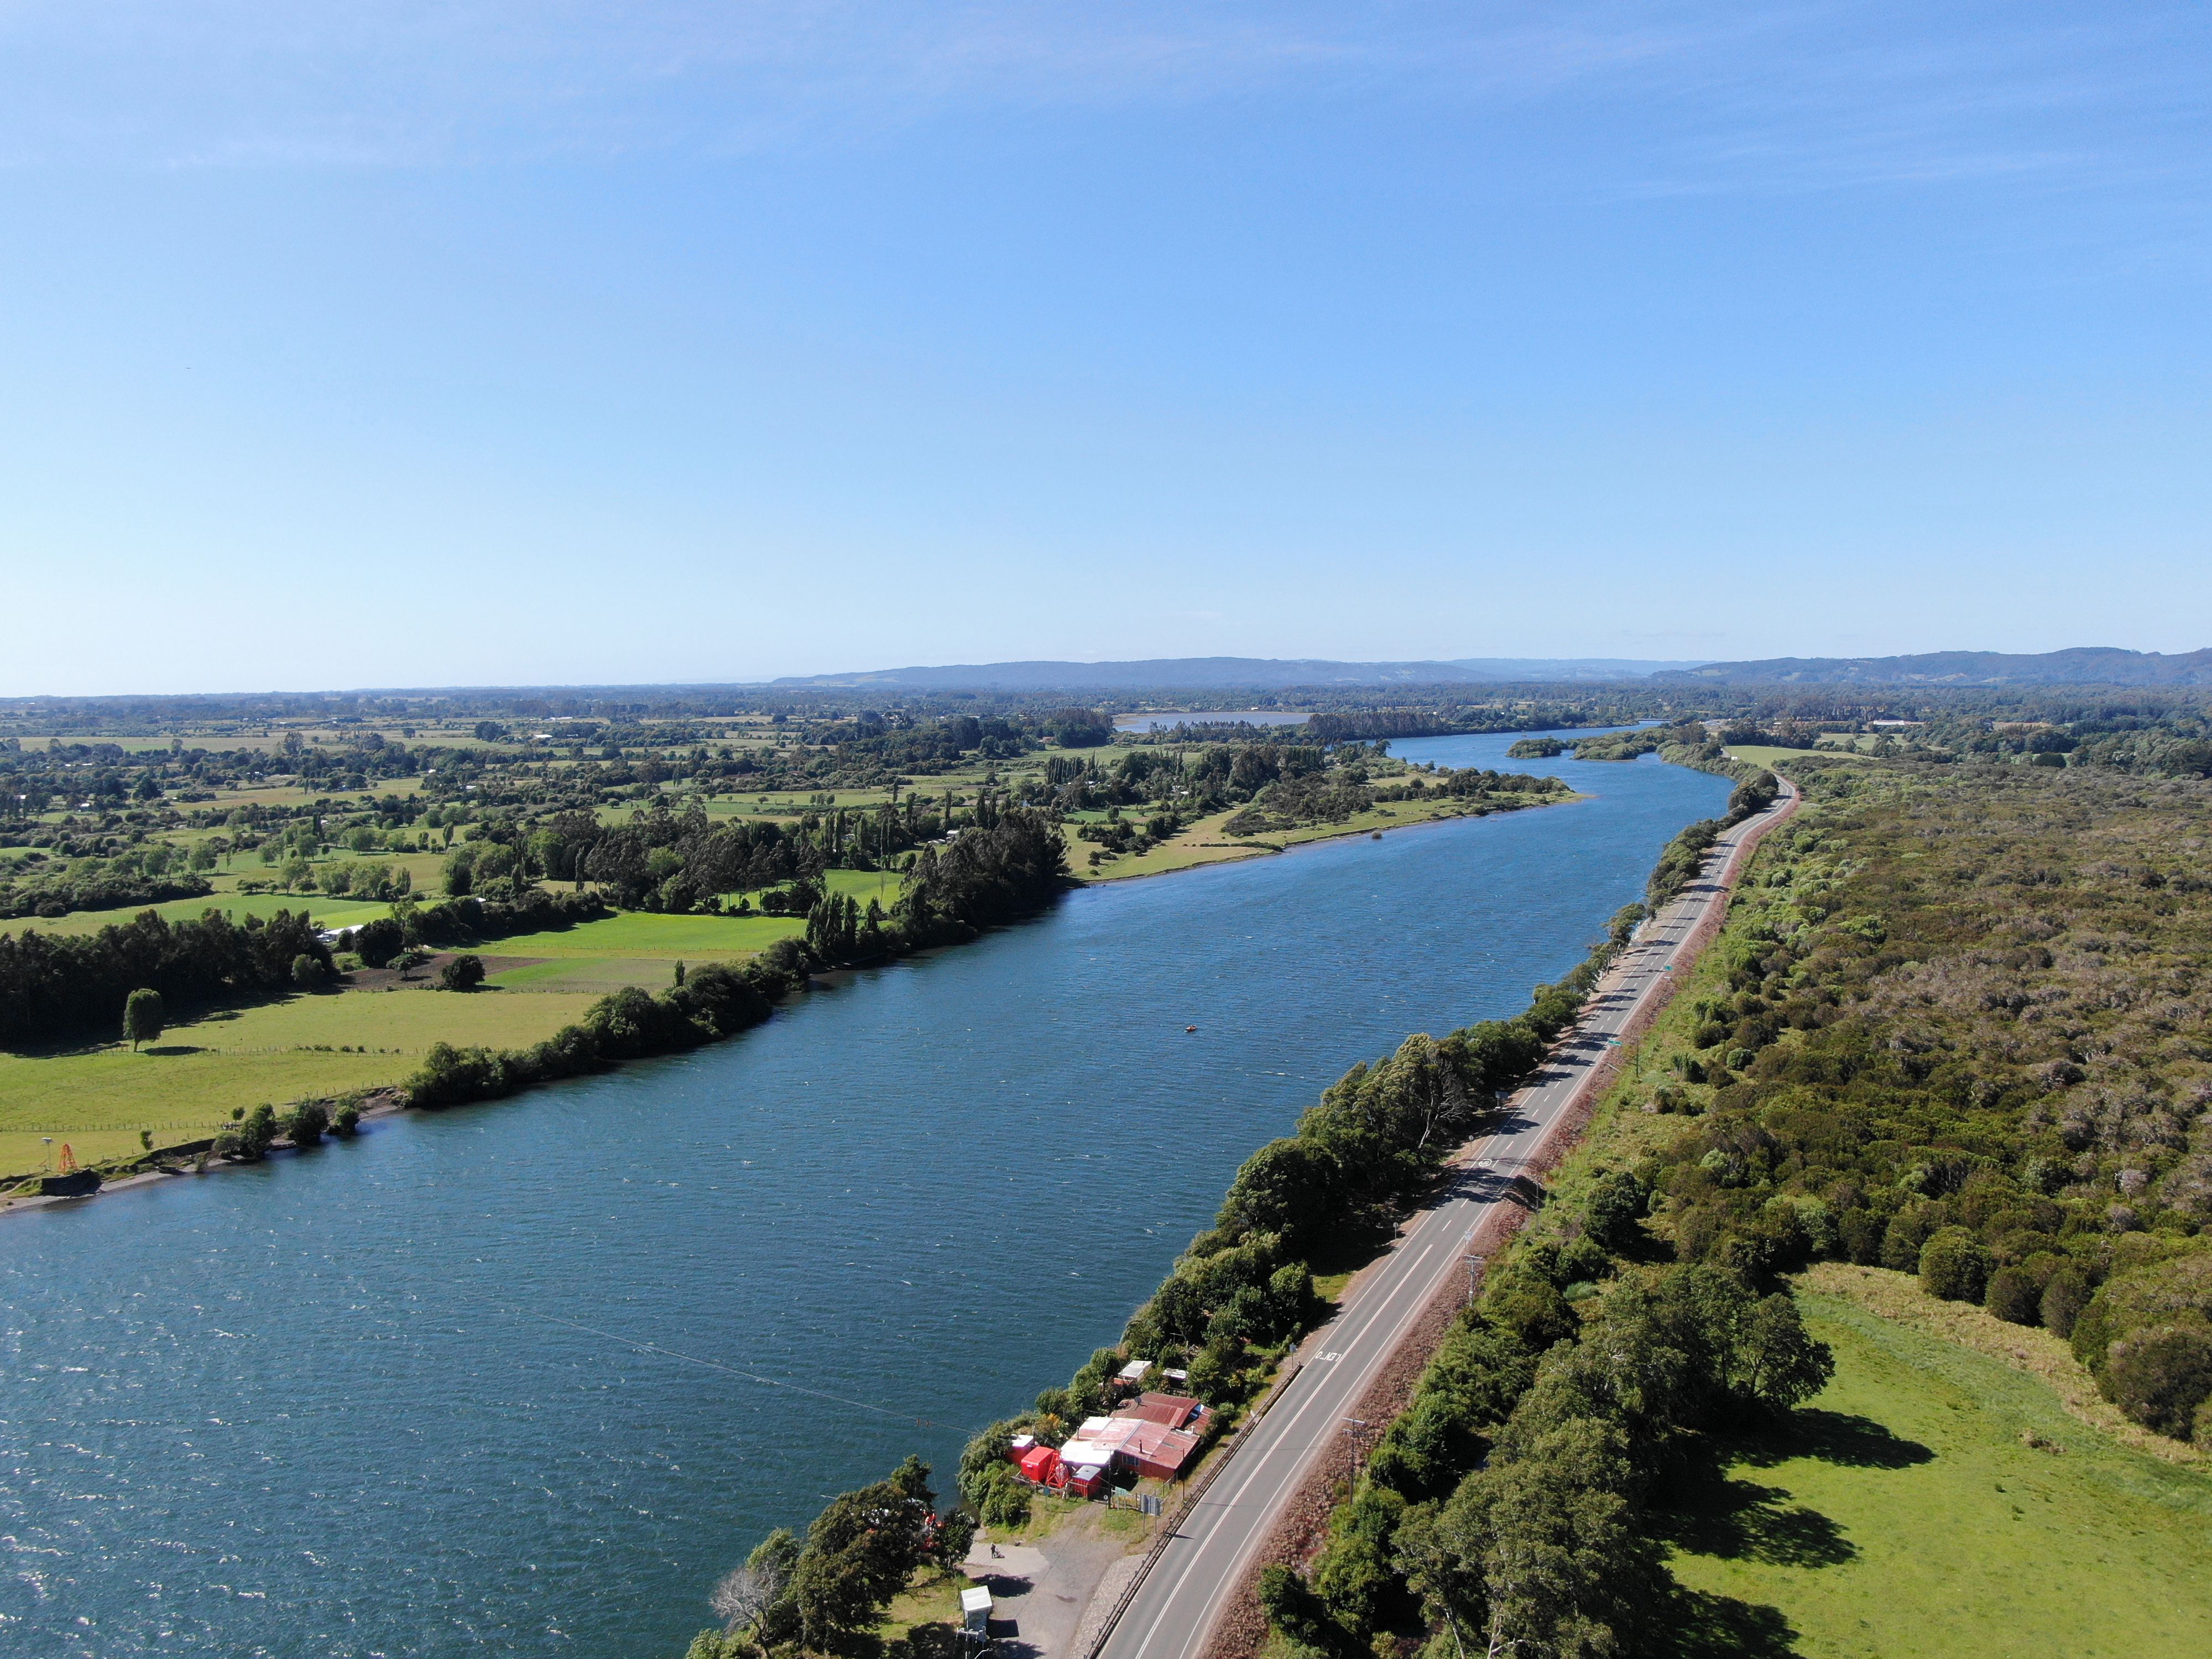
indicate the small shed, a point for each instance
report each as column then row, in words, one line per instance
column 1040, row 1464
column 975, row 1610
column 1131, row 1378
column 1089, row 1480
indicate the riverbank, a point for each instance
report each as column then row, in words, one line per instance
column 927, row 1190
column 354, row 1042
column 1201, row 844
column 1241, row 1299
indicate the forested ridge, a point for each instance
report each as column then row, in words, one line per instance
column 1965, row 1031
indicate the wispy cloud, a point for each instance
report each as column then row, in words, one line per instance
column 1706, row 97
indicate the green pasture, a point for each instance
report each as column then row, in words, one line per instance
column 639, row 934
column 424, row 869
column 184, row 1084
column 1935, row 1501
column 292, row 795
column 328, row 912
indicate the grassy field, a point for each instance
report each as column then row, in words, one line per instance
column 424, row 869
column 346, row 912
column 185, row 1086
column 188, row 1082
column 1911, row 1509
column 637, row 934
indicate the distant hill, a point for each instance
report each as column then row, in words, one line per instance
column 1257, row 673
column 2084, row 666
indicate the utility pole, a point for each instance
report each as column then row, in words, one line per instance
column 1473, row 1263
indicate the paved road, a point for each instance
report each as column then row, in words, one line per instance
column 1188, row 1586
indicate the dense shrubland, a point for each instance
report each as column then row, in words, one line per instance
column 1968, row 1034
column 1963, row 1028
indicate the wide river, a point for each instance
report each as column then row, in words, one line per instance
column 394, row 1397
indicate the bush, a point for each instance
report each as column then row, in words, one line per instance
column 2161, row 1375
column 2013, row 1295
column 1006, row 1501
column 1954, row 1266
column 310, row 973
column 2064, row 1298
column 1615, row 1207
column 463, row 973
column 306, row 1125
column 249, row 1142
column 379, row 941
column 143, row 1017
column 1298, row 1615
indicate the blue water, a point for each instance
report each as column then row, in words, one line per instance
column 383, row 1398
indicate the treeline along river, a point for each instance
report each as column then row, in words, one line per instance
column 525, row 1377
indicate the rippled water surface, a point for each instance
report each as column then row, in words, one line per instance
column 388, row 1398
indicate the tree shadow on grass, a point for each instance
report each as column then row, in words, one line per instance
column 1837, row 1437
column 1710, row 1513
column 173, row 1049
column 1697, row 1626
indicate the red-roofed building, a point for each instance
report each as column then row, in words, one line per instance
column 1169, row 1411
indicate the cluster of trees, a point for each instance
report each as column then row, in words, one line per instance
column 1509, row 1504
column 1537, row 749
column 988, row 875
column 827, row 1593
column 369, row 879
column 471, row 918
column 1469, row 783
column 682, row 862
column 713, row 1002
column 54, row 986
column 97, row 884
column 252, row 1133
column 1007, row 864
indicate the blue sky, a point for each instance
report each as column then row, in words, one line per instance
column 487, row 341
